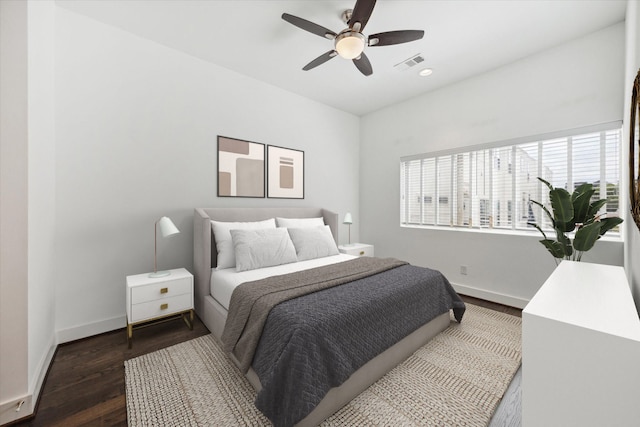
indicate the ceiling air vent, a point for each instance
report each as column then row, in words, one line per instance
column 408, row 63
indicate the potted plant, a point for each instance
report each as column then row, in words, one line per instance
column 574, row 212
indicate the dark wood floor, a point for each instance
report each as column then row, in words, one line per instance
column 493, row 305
column 85, row 384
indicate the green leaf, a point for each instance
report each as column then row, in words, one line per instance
column 581, row 199
column 581, row 189
column 587, row 236
column 565, row 242
column 562, row 209
column 594, row 208
column 546, row 183
column 544, row 208
column 609, row 223
column 554, row 247
column 533, row 224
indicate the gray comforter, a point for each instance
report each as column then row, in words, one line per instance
column 313, row 343
column 251, row 302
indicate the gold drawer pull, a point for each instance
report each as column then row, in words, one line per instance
column 361, row 252
column 164, row 306
column 164, row 290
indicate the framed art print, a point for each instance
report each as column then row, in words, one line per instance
column 285, row 173
column 240, row 168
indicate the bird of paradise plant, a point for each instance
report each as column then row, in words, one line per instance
column 574, row 212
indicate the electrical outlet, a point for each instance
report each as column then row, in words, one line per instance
column 463, row 270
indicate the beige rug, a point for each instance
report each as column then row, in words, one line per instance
column 457, row 379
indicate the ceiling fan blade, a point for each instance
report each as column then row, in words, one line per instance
column 395, row 37
column 363, row 64
column 309, row 26
column 361, row 13
column 320, row 60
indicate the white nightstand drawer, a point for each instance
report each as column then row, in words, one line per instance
column 163, row 307
column 154, row 298
column 357, row 249
column 161, row 290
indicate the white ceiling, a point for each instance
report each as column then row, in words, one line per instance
column 463, row 38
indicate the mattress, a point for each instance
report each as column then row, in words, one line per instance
column 224, row 281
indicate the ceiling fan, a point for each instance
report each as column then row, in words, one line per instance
column 350, row 42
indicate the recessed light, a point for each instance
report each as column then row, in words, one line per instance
column 425, row 72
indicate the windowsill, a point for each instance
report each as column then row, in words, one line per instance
column 507, row 232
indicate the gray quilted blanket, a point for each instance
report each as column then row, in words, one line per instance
column 314, row 343
column 251, row 302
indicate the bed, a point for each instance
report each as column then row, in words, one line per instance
column 214, row 312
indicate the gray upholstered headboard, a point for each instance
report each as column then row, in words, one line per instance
column 204, row 250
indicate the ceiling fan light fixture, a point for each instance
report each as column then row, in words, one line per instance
column 350, row 44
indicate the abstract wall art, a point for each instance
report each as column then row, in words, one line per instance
column 240, row 168
column 285, row 173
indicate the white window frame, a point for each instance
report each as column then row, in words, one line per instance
column 488, row 180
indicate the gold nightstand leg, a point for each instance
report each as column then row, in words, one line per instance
column 188, row 321
column 129, row 334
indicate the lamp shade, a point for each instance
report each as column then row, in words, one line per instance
column 349, row 44
column 347, row 218
column 167, row 227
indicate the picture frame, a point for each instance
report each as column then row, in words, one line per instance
column 634, row 152
column 285, row 173
column 241, row 166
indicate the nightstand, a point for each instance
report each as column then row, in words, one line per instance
column 151, row 300
column 358, row 249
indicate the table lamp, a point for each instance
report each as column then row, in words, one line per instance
column 167, row 228
column 348, row 220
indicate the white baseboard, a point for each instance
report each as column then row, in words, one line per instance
column 42, row 369
column 9, row 410
column 24, row 406
column 490, row 296
column 12, row 410
column 90, row 329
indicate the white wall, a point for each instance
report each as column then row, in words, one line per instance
column 573, row 85
column 14, row 382
column 632, row 235
column 41, row 197
column 27, row 338
column 136, row 126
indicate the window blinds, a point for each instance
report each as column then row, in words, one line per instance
column 492, row 186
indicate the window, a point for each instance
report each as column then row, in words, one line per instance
column 484, row 212
column 472, row 189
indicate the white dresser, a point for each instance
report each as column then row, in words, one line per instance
column 156, row 298
column 581, row 350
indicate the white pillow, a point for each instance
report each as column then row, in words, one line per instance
column 299, row 222
column 315, row 242
column 262, row 248
column 224, row 245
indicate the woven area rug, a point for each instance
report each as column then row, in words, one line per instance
column 456, row 379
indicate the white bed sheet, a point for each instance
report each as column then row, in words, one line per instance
column 224, row 281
